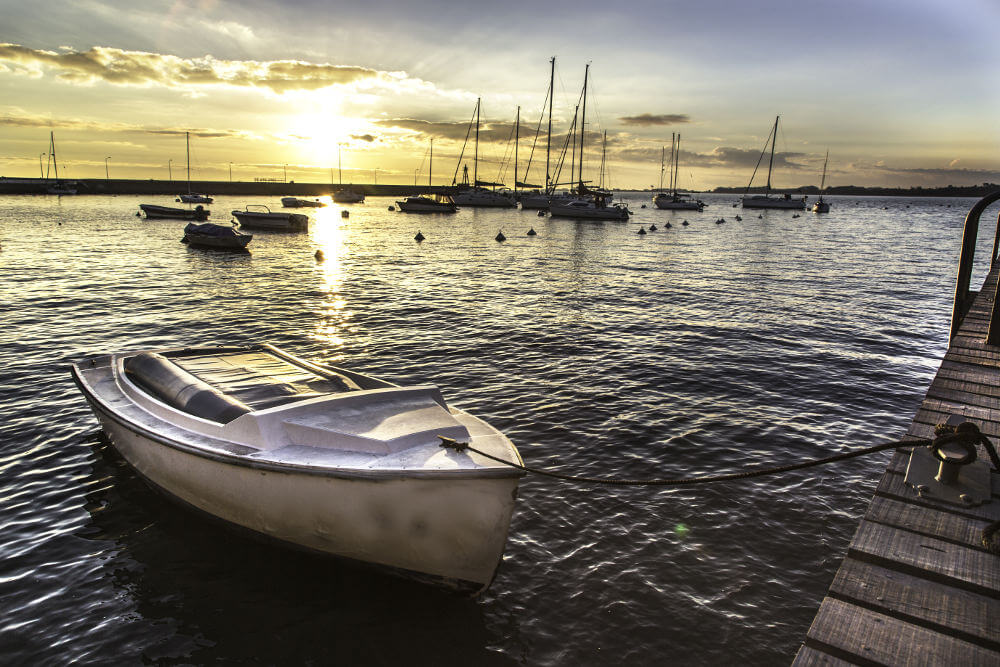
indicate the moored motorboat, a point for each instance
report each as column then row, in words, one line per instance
column 317, row 457
column 195, row 198
column 209, row 235
column 295, row 202
column 348, row 196
column 153, row 211
column 261, row 217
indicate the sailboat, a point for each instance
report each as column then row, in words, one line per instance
column 542, row 200
column 674, row 200
column 60, row 188
column 428, row 203
column 766, row 200
column 822, row 206
column 192, row 197
column 589, row 204
column 475, row 194
column 346, row 195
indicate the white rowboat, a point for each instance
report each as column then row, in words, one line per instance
column 316, row 457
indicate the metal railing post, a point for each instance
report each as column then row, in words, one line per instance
column 963, row 297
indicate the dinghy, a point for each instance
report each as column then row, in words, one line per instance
column 261, row 217
column 221, row 237
column 319, row 458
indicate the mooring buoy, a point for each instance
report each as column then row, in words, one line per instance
column 652, row 227
column 345, row 213
column 685, row 223
column 541, row 214
column 669, row 226
column 532, row 232
column 138, row 214
column 738, row 219
column 641, row 232
column 419, row 237
column 392, row 208
column 643, row 206
column 500, row 237
column 319, row 256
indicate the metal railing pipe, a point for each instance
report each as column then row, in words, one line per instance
column 963, row 297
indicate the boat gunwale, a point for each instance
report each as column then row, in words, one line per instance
column 242, row 460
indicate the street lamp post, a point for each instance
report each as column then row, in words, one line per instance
column 170, row 172
column 376, row 175
column 230, row 172
column 107, row 177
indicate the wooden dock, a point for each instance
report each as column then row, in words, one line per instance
column 917, row 586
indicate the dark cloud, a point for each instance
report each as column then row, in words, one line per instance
column 646, row 119
column 140, row 68
column 363, row 137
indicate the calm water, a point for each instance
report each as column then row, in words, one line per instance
column 693, row 350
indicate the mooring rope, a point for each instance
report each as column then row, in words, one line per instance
column 683, row 481
column 967, row 435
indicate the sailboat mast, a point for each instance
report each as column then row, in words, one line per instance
column 572, row 159
column 583, row 121
column 670, row 172
column 677, row 159
column 822, row 182
column 770, row 165
column 340, row 169
column 663, row 150
column 517, row 135
column 187, row 143
column 475, row 162
column 52, row 152
column 430, row 167
column 548, row 141
column 604, row 156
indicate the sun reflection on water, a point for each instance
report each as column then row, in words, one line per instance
column 333, row 317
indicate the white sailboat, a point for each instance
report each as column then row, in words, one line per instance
column 192, row 197
column 60, row 188
column 674, row 200
column 476, row 194
column 822, row 206
column 766, row 200
column 428, row 203
column 588, row 204
column 346, row 195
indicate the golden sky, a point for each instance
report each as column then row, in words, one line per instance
column 901, row 93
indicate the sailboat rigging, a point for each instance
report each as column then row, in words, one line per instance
column 429, row 202
column 59, row 188
column 589, row 203
column 476, row 194
column 822, row 206
column 192, row 197
column 675, row 200
column 766, row 200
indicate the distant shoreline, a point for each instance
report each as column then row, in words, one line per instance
column 101, row 186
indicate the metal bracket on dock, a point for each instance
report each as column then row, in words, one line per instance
column 950, row 472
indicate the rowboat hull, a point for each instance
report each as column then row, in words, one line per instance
column 446, row 527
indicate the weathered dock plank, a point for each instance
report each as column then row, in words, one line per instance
column 862, row 636
column 917, row 585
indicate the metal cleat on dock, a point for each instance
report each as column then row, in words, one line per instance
column 947, row 470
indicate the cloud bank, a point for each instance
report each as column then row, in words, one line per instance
column 139, row 68
column 648, row 119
